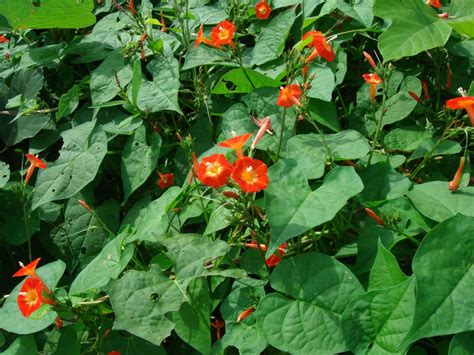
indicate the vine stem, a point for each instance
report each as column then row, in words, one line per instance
column 379, row 123
column 283, row 116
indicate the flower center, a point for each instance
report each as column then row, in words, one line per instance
column 223, row 33
column 249, row 175
column 31, row 297
column 213, row 169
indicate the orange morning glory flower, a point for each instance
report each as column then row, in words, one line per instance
column 320, row 45
column 265, row 125
column 434, row 3
column 35, row 163
column 165, row 180
column 223, row 33
column 454, row 183
column 28, row 270
column 250, row 174
column 374, row 80
column 30, row 297
column 262, row 10
column 202, row 39
column 236, row 143
column 275, row 259
column 245, row 314
column 466, row 103
column 214, row 170
column 4, row 39
column 289, row 95
column 218, row 324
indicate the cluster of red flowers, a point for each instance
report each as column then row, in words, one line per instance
column 34, row 292
column 215, row 170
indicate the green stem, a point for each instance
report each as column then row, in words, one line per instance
column 379, row 123
column 282, row 128
column 239, row 61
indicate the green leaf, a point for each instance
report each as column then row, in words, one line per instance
column 381, row 317
column 401, row 104
column 161, row 93
column 462, row 344
column 24, row 345
column 461, row 17
column 430, row 147
column 48, row 13
column 324, row 113
column 323, row 84
column 204, row 55
column 414, row 28
column 291, row 204
column 434, row 200
column 306, row 317
column 139, row 159
column 107, row 80
column 192, row 320
column 79, row 160
column 382, row 182
column 11, row 318
column 385, row 270
column 311, row 150
column 141, row 300
column 236, row 81
column 443, row 269
column 82, row 236
column 108, row 265
column 406, row 139
column 68, row 102
column 271, row 42
column 15, row 131
column 4, row 173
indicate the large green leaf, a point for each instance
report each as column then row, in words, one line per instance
column 414, row 28
column 109, row 78
column 323, row 83
column 292, row 205
column 306, row 317
column 139, row 159
column 111, row 261
column 462, row 344
column 161, row 93
column 443, row 268
column 271, row 42
column 24, row 345
column 434, row 200
column 382, row 182
column 406, row 138
column 461, row 17
column 80, row 157
column 312, row 150
column 237, row 81
column 11, row 318
column 141, row 300
column 48, row 13
column 26, row 126
column 381, row 317
column 385, row 271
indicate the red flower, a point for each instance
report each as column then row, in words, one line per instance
column 114, row 352
column 374, row 216
column 4, row 39
column 320, row 46
column 236, row 143
column 131, row 7
column 275, row 259
column 262, row 10
column 59, row 323
column 218, row 324
column 374, row 80
column 214, row 170
column 289, row 96
column 30, row 297
column 28, row 270
column 202, row 39
column 165, row 180
column 35, row 163
column 434, row 3
column 245, row 314
column 466, row 103
column 86, row 206
column 223, row 33
column 265, row 125
column 454, row 183
column 250, row 174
